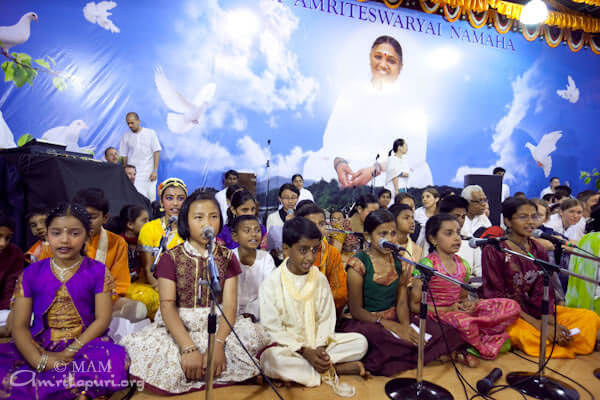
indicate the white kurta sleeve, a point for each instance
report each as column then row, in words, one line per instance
column 155, row 143
column 123, row 147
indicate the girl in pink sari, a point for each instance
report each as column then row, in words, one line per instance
column 481, row 323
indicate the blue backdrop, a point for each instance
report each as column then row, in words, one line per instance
column 281, row 68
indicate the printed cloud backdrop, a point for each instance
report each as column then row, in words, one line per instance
column 279, row 68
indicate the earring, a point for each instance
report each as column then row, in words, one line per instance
column 162, row 209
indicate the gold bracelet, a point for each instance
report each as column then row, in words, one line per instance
column 72, row 349
column 42, row 363
column 79, row 341
column 189, row 349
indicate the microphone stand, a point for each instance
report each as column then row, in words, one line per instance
column 268, row 165
column 536, row 384
column 161, row 247
column 213, row 290
column 374, row 175
column 413, row 389
column 575, row 253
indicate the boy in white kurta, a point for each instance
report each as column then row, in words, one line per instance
column 297, row 310
column 256, row 264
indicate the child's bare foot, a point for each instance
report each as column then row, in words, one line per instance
column 352, row 368
column 465, row 358
column 279, row 384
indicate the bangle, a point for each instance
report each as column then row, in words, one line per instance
column 220, row 341
column 72, row 348
column 79, row 341
column 378, row 321
column 42, row 363
column 189, row 349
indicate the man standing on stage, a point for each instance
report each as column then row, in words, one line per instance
column 140, row 148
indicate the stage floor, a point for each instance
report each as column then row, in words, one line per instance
column 580, row 369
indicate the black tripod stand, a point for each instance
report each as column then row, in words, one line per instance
column 536, row 384
column 413, row 389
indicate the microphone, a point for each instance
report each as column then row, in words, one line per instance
column 540, row 234
column 164, row 242
column 208, row 232
column 389, row 245
column 484, row 385
column 475, row 242
column 213, row 273
column 377, row 158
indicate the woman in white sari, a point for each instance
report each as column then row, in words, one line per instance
column 363, row 120
column 397, row 171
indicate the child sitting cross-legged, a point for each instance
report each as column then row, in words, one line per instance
column 64, row 353
column 170, row 356
column 297, row 310
column 481, row 323
column 378, row 296
column 111, row 250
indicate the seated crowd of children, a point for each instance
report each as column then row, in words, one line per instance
column 327, row 300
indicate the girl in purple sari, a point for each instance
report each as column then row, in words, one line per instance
column 65, row 353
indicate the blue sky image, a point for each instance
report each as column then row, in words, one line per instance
column 280, row 68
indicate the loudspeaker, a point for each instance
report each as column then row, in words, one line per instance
column 492, row 187
column 248, row 180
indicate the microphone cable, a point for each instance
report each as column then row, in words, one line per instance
column 498, row 388
column 556, row 372
column 262, row 373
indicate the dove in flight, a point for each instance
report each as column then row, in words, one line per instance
column 69, row 136
column 186, row 114
column 98, row 14
column 14, row 35
column 571, row 93
column 7, row 140
column 541, row 152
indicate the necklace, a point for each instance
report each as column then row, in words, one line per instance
column 520, row 247
column 62, row 272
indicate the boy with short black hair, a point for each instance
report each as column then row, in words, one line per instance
column 297, row 310
column 111, row 250
column 12, row 262
column 36, row 219
column 256, row 264
column 329, row 259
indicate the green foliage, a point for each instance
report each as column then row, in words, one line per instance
column 588, row 176
column 21, row 70
column 59, row 83
column 24, row 139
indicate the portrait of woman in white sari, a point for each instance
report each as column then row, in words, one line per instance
column 366, row 117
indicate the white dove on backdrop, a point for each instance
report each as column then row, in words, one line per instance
column 541, row 152
column 571, row 93
column 11, row 36
column 187, row 114
column 98, row 14
column 7, row 140
column 68, row 135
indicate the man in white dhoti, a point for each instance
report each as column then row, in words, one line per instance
column 297, row 310
column 140, row 147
